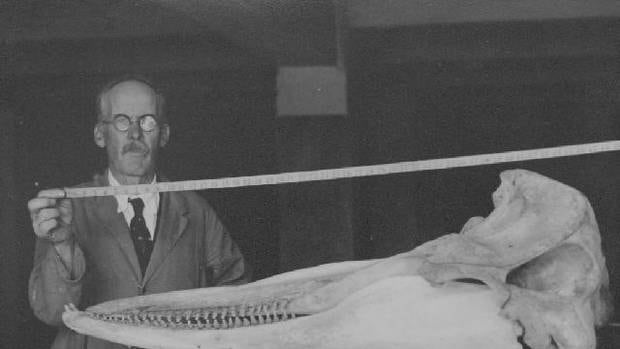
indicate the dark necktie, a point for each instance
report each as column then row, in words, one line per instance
column 140, row 234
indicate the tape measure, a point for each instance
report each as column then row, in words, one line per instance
column 349, row 172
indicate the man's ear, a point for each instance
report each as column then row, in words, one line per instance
column 99, row 136
column 164, row 135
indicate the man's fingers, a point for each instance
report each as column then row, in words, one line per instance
column 66, row 210
column 45, row 198
column 52, row 194
column 48, row 213
column 45, row 227
column 37, row 204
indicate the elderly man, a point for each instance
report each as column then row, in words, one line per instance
column 97, row 249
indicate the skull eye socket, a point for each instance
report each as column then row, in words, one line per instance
column 563, row 270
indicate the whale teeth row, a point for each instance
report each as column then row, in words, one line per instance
column 205, row 318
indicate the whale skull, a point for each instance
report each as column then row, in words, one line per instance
column 532, row 271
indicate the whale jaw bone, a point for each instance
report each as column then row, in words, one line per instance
column 537, row 254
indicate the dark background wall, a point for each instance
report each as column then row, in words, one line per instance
column 448, row 99
column 414, row 93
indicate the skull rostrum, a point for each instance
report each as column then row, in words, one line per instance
column 532, row 273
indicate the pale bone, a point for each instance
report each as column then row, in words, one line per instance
column 538, row 254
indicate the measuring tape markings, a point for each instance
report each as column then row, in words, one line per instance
column 348, row 172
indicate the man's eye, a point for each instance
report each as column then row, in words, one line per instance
column 122, row 121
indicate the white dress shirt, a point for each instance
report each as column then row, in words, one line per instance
column 151, row 205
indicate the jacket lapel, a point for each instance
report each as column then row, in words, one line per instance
column 171, row 225
column 116, row 226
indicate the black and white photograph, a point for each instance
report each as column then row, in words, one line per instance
column 310, row 174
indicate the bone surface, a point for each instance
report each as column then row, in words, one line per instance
column 538, row 275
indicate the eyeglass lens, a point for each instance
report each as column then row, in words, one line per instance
column 147, row 122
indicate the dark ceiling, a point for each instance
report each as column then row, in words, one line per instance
column 223, row 34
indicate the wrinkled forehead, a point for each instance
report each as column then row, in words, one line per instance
column 131, row 98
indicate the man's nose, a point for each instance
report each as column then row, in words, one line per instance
column 134, row 131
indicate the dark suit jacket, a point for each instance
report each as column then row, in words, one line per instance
column 192, row 249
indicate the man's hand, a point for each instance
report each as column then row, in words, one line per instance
column 51, row 215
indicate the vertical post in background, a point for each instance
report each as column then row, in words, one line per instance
column 9, row 257
column 316, row 223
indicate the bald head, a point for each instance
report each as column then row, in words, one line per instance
column 138, row 90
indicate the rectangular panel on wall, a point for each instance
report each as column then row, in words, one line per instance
column 311, row 90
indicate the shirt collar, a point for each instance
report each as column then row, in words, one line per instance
column 151, row 200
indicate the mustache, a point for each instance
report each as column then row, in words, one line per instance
column 135, row 147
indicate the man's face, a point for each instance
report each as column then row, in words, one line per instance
column 131, row 153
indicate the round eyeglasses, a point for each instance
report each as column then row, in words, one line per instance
column 122, row 122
